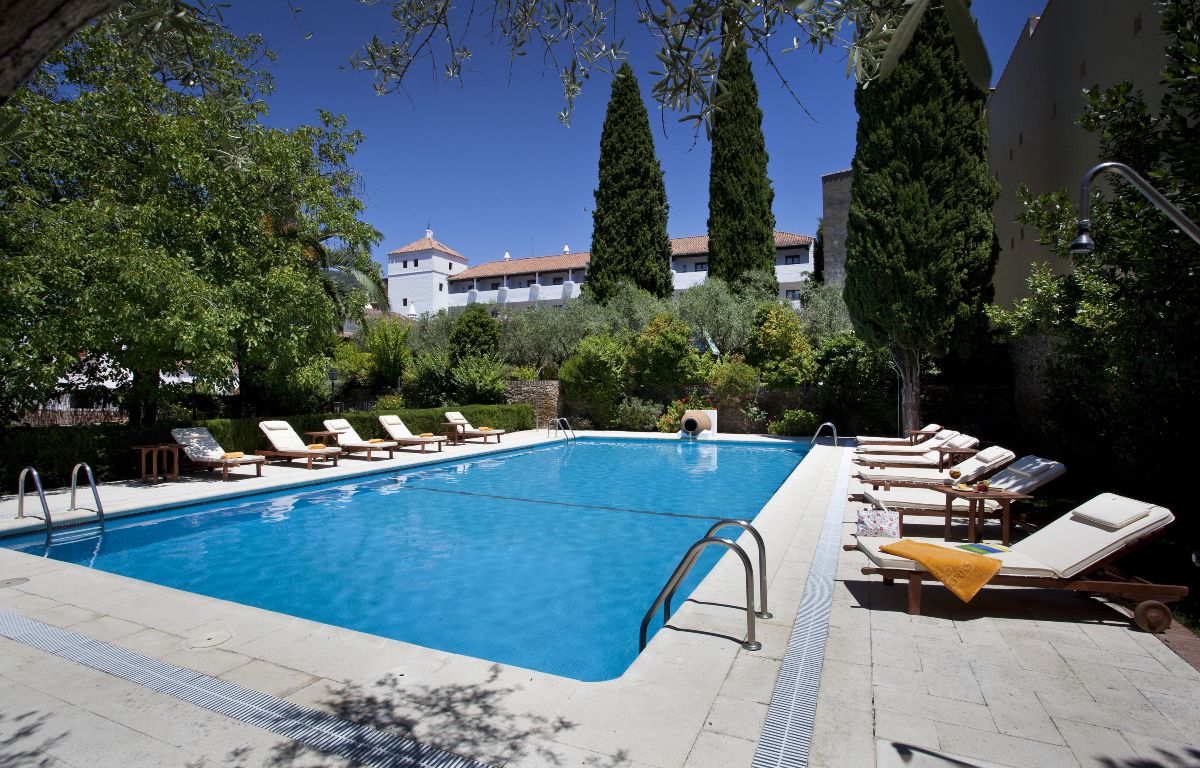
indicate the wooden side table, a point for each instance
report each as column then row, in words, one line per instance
column 323, row 435
column 949, row 456
column 976, row 508
column 153, row 450
column 916, row 435
column 453, row 432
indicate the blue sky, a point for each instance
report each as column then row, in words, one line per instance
column 489, row 167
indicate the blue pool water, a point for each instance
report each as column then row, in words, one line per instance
column 543, row 558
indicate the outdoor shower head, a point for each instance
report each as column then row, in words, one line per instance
column 1083, row 243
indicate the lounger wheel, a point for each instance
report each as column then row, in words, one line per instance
column 1152, row 616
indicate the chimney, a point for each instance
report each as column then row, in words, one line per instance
column 428, row 234
column 507, row 256
column 566, row 248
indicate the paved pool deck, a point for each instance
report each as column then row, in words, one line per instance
column 693, row 698
column 1039, row 679
column 1018, row 677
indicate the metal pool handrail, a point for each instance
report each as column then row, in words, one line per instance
column 560, row 423
column 762, row 612
column 681, row 571
column 37, row 483
column 92, row 483
column 818, row 433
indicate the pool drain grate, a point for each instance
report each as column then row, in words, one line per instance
column 308, row 726
column 787, row 733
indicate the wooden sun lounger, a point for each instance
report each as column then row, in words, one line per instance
column 400, row 434
column 308, row 456
column 200, row 449
column 1101, row 576
column 292, row 445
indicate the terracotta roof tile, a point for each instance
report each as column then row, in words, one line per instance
column 555, row 263
column 428, row 244
column 680, row 246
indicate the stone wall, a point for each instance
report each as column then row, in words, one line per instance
column 835, row 212
column 543, row 396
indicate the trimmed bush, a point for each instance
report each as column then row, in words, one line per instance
column 794, row 422
column 662, row 359
column 479, row 379
column 779, row 348
column 593, row 379
column 427, row 382
column 476, row 333
column 637, row 415
column 108, row 447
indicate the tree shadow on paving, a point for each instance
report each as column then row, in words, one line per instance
column 471, row 720
column 1188, row 757
column 17, row 749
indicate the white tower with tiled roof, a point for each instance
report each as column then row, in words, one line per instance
column 419, row 276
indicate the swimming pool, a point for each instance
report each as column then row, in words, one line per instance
column 544, row 558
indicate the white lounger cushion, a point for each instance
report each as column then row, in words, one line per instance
column 937, row 440
column 397, row 430
column 919, row 498
column 348, row 436
column 935, row 428
column 201, row 447
column 283, row 438
column 928, row 459
column 1015, row 563
column 454, row 417
column 1071, row 543
column 971, row 468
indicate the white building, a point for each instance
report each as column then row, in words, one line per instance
column 427, row 276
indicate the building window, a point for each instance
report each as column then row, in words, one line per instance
column 495, row 286
column 792, row 295
column 530, row 283
column 795, row 258
column 404, row 302
column 406, row 263
column 439, row 287
column 558, row 281
column 1137, row 24
column 451, row 266
column 701, row 266
column 416, row 263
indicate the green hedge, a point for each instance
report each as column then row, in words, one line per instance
column 108, row 447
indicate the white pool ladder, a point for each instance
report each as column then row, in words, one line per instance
column 37, row 484
column 832, row 428
column 689, row 560
column 99, row 510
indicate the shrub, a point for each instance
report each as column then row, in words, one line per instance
column 430, row 332
column 733, row 381
column 855, row 386
column 823, row 311
column 593, row 378
column 638, row 415
column 476, row 334
column 479, row 379
column 755, row 417
column 354, row 366
column 523, row 373
column 779, row 348
column 794, row 422
column 671, row 418
column 427, row 382
column 387, row 341
column 389, row 402
column 662, row 359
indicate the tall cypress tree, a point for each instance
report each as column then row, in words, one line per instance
column 920, row 243
column 741, row 227
column 629, row 223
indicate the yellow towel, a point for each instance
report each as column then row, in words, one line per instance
column 233, row 455
column 963, row 573
column 485, row 429
column 315, row 446
column 426, row 434
column 375, row 440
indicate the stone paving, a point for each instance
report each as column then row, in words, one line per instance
column 1018, row 677
column 693, row 699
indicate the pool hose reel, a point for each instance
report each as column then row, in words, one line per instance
column 697, row 423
